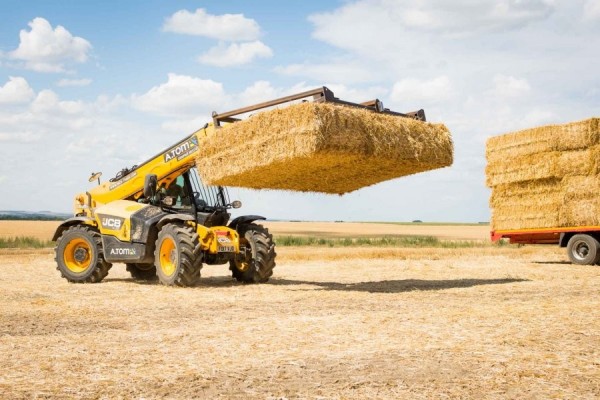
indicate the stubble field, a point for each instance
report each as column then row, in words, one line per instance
column 483, row 322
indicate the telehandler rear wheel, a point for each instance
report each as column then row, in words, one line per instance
column 79, row 255
column 142, row 272
column 178, row 256
column 257, row 266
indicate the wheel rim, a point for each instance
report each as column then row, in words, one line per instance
column 580, row 250
column 78, row 255
column 168, row 256
column 244, row 264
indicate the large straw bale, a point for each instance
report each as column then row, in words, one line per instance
column 578, row 162
column 581, row 205
column 541, row 192
column 571, row 201
column 578, row 135
column 524, row 217
column 518, row 144
column 581, row 188
column 580, row 213
column 318, row 147
column 527, row 204
column 571, row 136
column 522, row 169
column 548, row 165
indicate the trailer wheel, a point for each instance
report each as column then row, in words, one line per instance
column 259, row 261
column 142, row 272
column 178, row 256
column 583, row 250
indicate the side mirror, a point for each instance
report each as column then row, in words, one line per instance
column 150, row 184
column 236, row 204
column 95, row 176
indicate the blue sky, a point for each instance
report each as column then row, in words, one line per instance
column 88, row 86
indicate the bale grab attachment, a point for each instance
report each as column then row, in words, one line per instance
column 319, row 95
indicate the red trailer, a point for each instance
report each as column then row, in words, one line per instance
column 582, row 242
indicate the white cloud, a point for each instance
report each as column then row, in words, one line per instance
column 357, row 95
column 591, row 10
column 47, row 118
column 507, row 14
column 233, row 27
column 16, row 91
column 537, row 117
column 61, row 145
column 347, row 71
column 44, row 49
column 258, row 92
column 460, row 17
column 2, row 178
column 73, row 82
column 261, row 91
column 426, row 37
column 19, row 137
column 89, row 144
column 181, row 95
column 48, row 102
column 235, row 54
column 428, row 91
column 185, row 126
column 509, row 86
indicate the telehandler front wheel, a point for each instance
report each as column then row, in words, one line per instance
column 79, row 255
column 259, row 260
column 178, row 256
column 142, row 272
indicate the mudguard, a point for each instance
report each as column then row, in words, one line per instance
column 174, row 217
column 244, row 219
column 72, row 221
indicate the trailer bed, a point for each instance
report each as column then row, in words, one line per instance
column 540, row 235
column 582, row 242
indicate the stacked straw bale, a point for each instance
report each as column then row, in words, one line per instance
column 545, row 177
column 321, row 147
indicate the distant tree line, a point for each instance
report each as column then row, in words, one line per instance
column 30, row 217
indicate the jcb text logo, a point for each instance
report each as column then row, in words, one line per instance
column 112, row 223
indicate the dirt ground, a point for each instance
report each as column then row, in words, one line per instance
column 44, row 230
column 332, row 323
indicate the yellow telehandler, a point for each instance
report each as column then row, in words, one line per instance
column 162, row 222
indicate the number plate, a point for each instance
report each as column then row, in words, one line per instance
column 226, row 249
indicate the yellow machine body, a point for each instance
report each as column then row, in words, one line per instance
column 114, row 219
column 166, row 165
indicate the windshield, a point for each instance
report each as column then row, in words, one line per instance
column 206, row 195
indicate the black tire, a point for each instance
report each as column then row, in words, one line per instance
column 257, row 266
column 79, row 255
column 178, row 256
column 142, row 272
column 583, row 250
